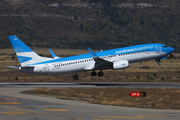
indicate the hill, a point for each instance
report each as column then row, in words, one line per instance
column 99, row 24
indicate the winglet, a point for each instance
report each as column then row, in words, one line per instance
column 53, row 54
column 97, row 60
column 92, row 53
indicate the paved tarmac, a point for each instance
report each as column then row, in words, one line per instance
column 91, row 84
column 16, row 106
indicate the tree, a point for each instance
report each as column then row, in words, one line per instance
column 75, row 17
column 141, row 22
column 171, row 56
column 81, row 27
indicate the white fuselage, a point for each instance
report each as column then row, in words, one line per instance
column 72, row 66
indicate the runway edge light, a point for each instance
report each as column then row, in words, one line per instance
column 137, row 94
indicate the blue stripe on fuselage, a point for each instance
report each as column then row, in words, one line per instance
column 106, row 53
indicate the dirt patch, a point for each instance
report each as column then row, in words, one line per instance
column 155, row 98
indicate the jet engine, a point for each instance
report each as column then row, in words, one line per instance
column 120, row 64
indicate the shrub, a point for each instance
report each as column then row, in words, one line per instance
column 76, row 77
column 16, row 78
column 137, row 76
column 154, row 74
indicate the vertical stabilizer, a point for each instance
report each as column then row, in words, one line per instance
column 25, row 54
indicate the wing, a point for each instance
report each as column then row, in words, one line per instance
column 100, row 63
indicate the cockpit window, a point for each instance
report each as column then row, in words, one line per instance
column 164, row 46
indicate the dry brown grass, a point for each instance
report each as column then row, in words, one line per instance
column 9, row 75
column 156, row 98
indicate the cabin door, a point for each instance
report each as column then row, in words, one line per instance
column 46, row 67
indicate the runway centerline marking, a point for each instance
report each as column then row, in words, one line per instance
column 56, row 109
column 9, row 103
column 19, row 109
column 140, row 116
column 102, row 119
column 14, row 113
column 151, row 116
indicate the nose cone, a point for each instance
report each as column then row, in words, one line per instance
column 171, row 49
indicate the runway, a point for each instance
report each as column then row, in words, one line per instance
column 92, row 84
column 16, row 106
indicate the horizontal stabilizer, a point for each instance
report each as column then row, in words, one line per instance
column 20, row 66
column 13, row 66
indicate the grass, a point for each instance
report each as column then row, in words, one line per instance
column 155, row 98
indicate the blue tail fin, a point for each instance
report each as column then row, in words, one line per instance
column 18, row 45
column 25, row 54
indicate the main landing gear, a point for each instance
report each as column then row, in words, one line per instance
column 93, row 73
column 100, row 74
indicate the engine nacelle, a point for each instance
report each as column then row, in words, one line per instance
column 120, row 64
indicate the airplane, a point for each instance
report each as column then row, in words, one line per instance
column 108, row 59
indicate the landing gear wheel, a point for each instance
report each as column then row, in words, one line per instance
column 100, row 74
column 93, row 74
column 159, row 63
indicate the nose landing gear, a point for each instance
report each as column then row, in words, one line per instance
column 159, row 62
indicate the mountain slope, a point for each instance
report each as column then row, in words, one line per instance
column 99, row 24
